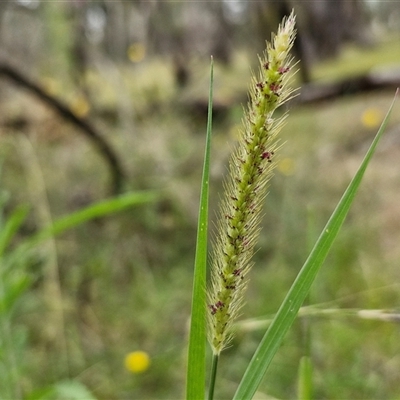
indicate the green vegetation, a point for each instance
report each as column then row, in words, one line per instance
column 124, row 282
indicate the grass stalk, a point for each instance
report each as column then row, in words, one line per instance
column 52, row 287
column 213, row 377
column 10, row 380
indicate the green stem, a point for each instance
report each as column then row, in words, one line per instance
column 214, row 368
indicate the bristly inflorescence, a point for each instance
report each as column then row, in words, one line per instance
column 251, row 168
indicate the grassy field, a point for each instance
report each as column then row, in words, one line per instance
column 123, row 283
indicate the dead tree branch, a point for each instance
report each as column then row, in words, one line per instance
column 116, row 171
column 378, row 80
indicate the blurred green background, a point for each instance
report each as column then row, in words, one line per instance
column 73, row 309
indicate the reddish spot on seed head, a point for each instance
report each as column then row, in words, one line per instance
column 267, row 155
column 237, row 272
column 275, row 87
column 219, row 304
column 283, row 70
column 213, row 309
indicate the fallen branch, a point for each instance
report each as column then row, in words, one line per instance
column 377, row 80
column 117, row 175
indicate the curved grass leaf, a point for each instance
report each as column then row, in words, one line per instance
column 97, row 210
column 196, row 364
column 300, row 288
column 11, row 226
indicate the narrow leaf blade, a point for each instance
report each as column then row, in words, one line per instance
column 99, row 209
column 196, row 366
column 11, row 226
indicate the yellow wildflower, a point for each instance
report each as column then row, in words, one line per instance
column 137, row 362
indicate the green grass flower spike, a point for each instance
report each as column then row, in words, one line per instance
column 251, row 168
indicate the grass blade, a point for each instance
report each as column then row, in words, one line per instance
column 300, row 288
column 11, row 226
column 196, row 365
column 100, row 209
column 97, row 210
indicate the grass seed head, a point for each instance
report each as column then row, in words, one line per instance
column 251, row 167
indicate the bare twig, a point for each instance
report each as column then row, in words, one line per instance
column 117, row 175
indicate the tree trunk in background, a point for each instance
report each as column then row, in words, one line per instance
column 284, row 8
column 323, row 26
column 329, row 24
column 266, row 16
column 79, row 54
column 222, row 45
column 180, row 30
column 116, row 29
column 3, row 9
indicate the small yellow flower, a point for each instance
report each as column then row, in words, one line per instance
column 372, row 117
column 136, row 52
column 80, row 106
column 286, row 166
column 51, row 86
column 137, row 362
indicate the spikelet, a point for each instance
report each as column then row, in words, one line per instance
column 251, row 167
